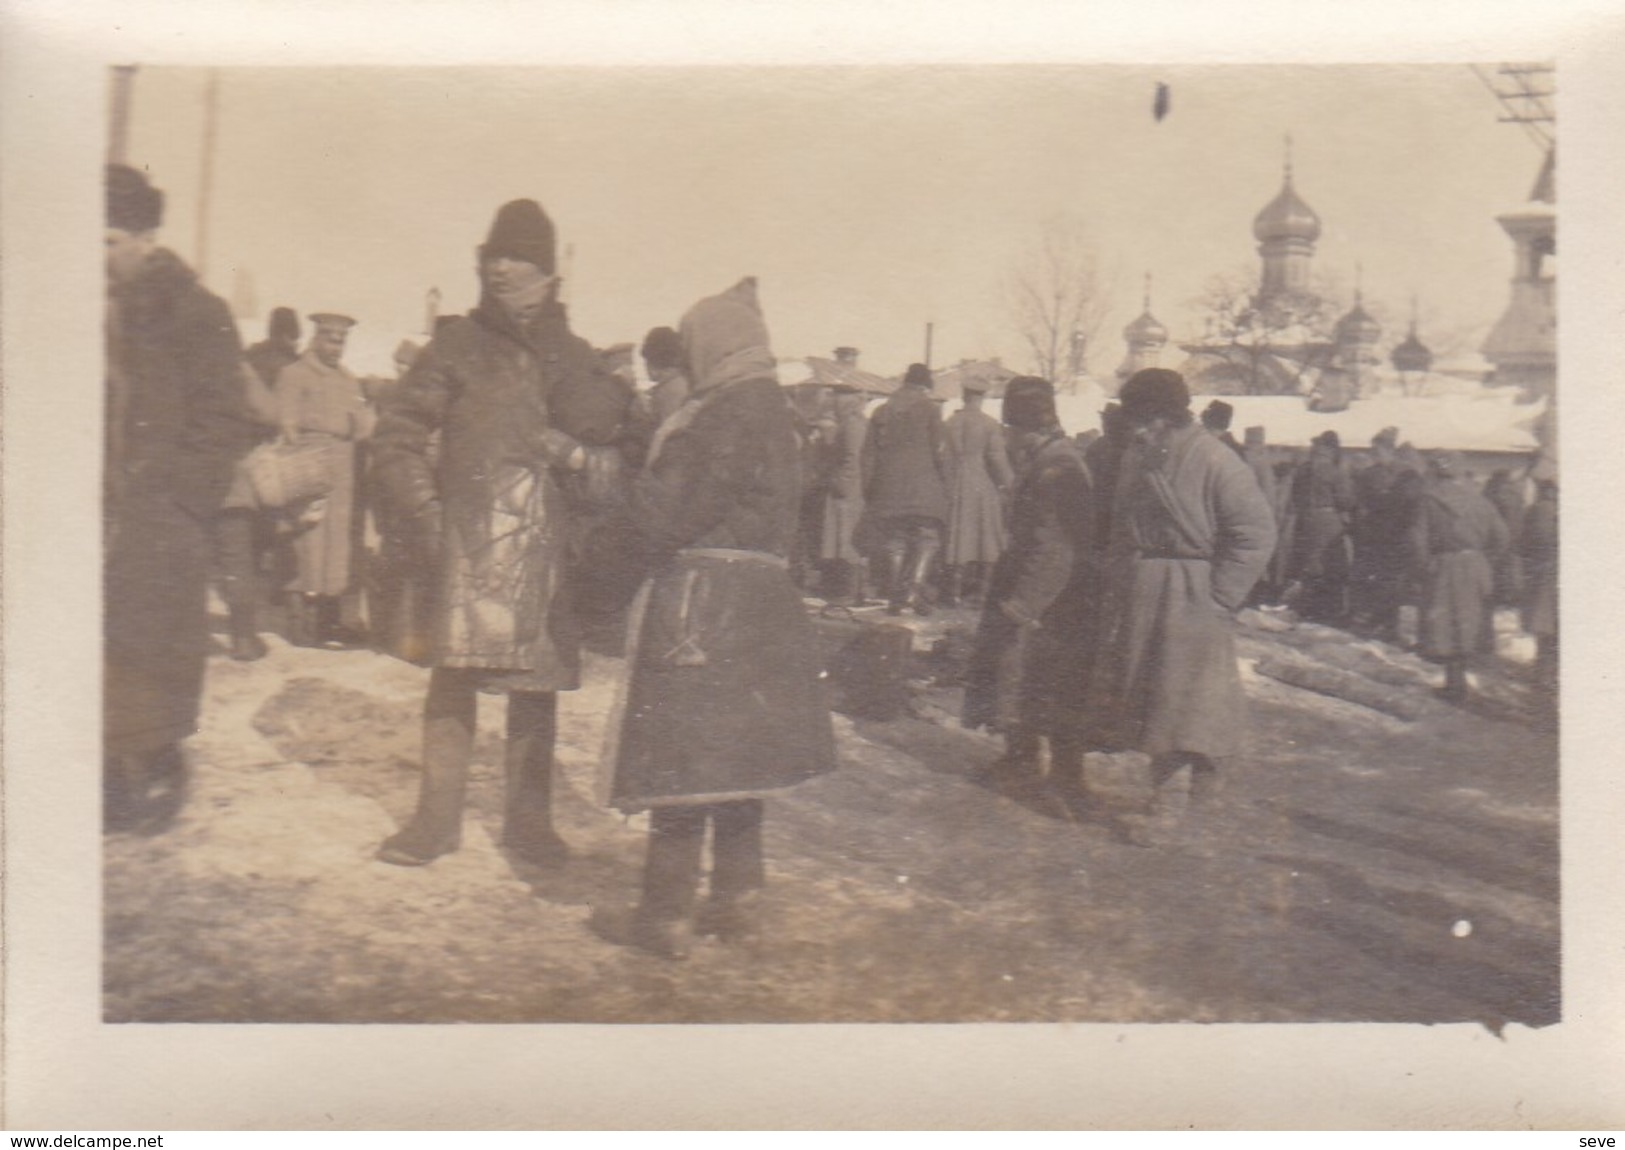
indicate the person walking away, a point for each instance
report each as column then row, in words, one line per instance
column 722, row 704
column 1029, row 670
column 321, row 402
column 979, row 478
column 279, row 348
column 475, row 452
column 1322, row 501
column 1456, row 535
column 1191, row 534
column 176, row 423
column 663, row 360
column 840, row 556
column 905, row 489
column 1216, row 419
column 1537, row 546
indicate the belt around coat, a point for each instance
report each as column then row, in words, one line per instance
column 736, row 555
column 1181, row 557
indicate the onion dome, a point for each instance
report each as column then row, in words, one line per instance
column 1146, row 329
column 1411, row 355
column 1358, row 326
column 1287, row 217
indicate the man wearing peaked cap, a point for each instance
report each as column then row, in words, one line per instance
column 177, row 421
column 1190, row 536
column 521, row 407
column 321, row 403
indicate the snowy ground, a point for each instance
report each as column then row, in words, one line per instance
column 1360, row 866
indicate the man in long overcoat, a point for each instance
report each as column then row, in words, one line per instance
column 1191, row 534
column 905, row 489
column 838, row 551
column 722, row 704
column 514, row 400
column 320, row 402
column 1029, row 671
column 1456, row 536
column 1321, row 505
column 979, row 477
column 177, row 421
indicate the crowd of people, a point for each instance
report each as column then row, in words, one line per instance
column 520, row 491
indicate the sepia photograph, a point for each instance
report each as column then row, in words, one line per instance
column 784, row 545
column 1037, row 553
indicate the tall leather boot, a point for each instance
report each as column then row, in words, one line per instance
column 737, row 871
column 1455, row 680
column 448, row 744
column 527, row 818
column 302, row 619
column 246, row 644
column 952, row 583
column 328, row 608
column 892, row 585
column 919, row 570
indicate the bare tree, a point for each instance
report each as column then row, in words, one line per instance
column 1272, row 345
column 1058, row 293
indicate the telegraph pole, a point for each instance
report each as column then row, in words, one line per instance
column 929, row 327
column 211, row 118
column 118, row 140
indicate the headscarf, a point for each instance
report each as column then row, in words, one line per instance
column 724, row 342
column 725, row 339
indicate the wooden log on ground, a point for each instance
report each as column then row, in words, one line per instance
column 1348, row 686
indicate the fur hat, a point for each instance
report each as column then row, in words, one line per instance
column 1029, row 403
column 1327, row 438
column 918, row 375
column 522, row 231
column 1388, row 437
column 133, row 205
column 662, row 347
column 1217, row 415
column 284, row 324
column 1155, row 391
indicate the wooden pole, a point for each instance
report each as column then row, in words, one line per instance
column 211, row 118
column 929, row 328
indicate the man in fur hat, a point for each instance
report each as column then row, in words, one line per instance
column 517, row 403
column 905, row 489
column 177, row 421
column 1191, row 534
column 1028, row 675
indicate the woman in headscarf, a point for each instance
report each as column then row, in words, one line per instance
column 722, row 703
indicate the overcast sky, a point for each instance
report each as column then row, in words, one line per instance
column 867, row 200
